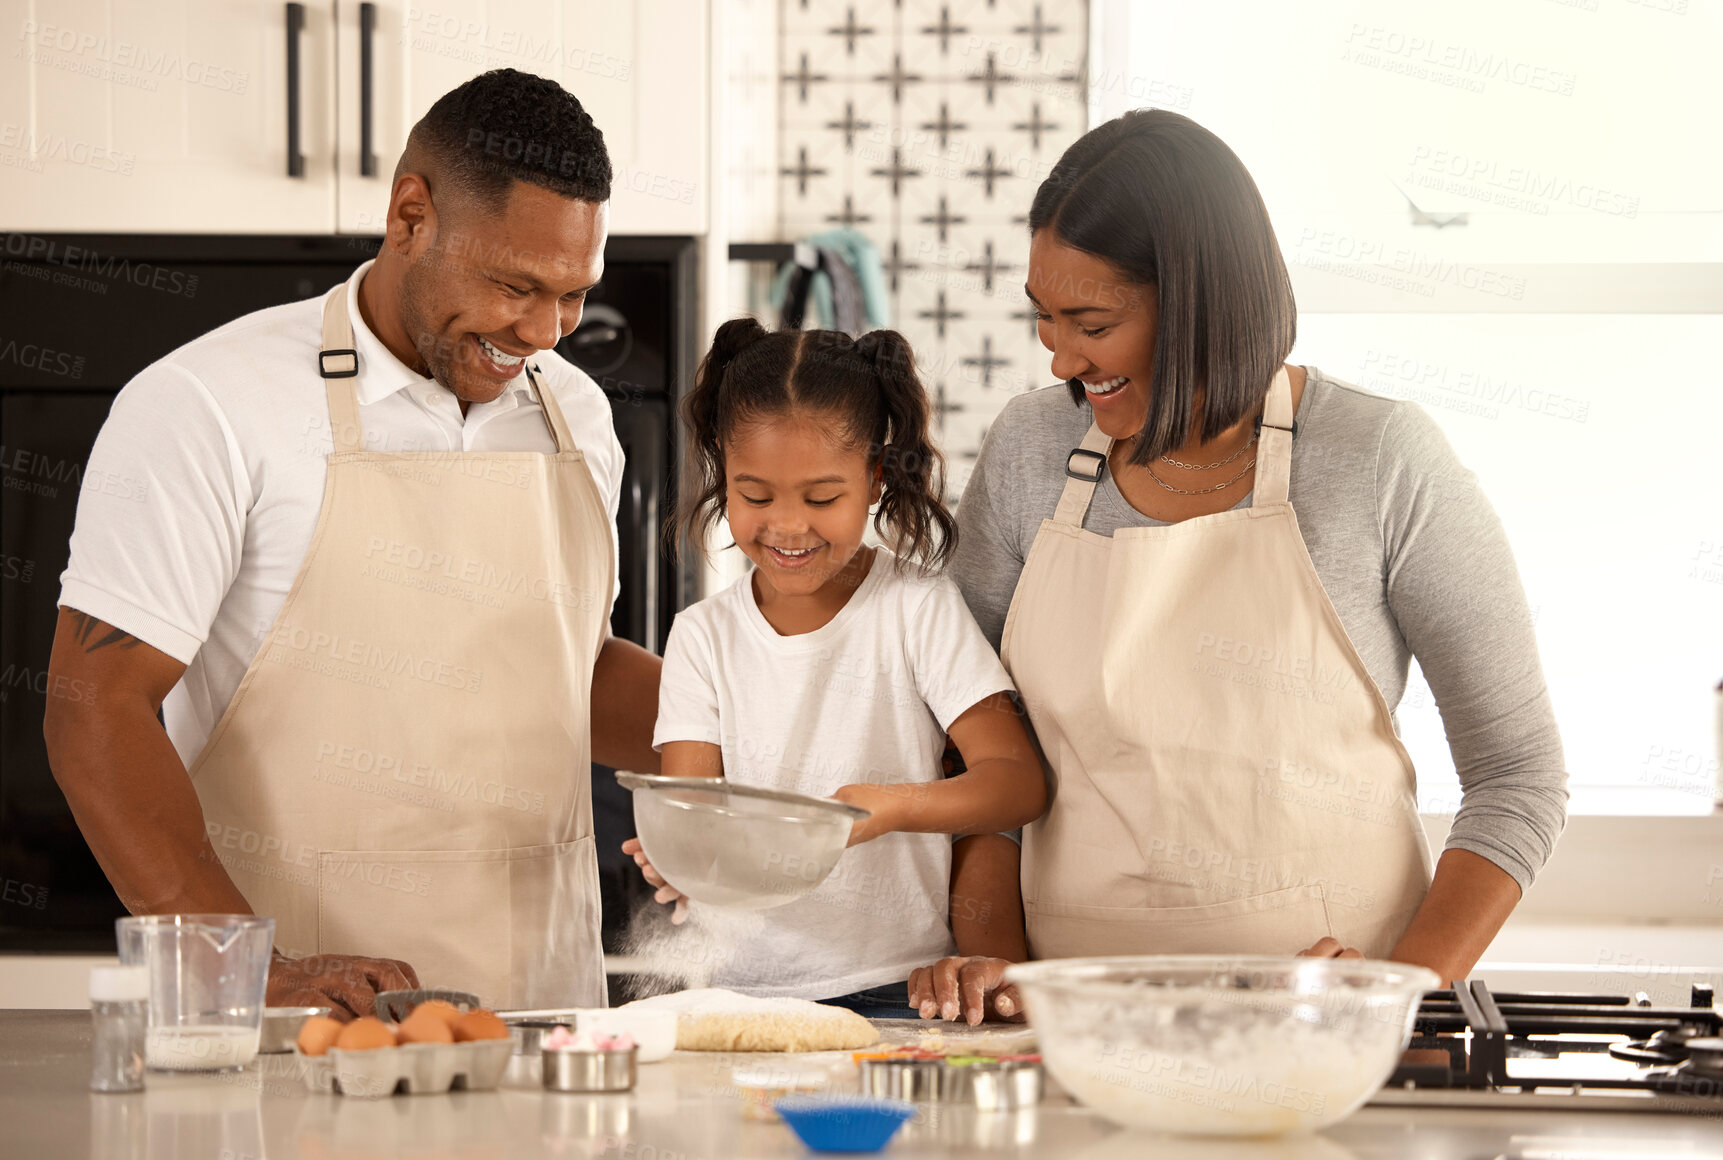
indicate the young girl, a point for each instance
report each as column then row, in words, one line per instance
column 834, row 668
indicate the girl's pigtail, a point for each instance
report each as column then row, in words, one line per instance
column 702, row 500
column 912, row 517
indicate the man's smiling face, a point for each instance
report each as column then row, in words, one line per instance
column 486, row 288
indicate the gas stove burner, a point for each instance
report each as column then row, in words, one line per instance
column 1473, row 1047
column 1706, row 1055
column 1664, row 1049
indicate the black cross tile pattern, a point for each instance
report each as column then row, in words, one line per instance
column 989, row 173
column 944, row 30
column 1035, row 126
column 896, row 265
column 898, row 78
column 940, row 314
column 802, row 171
column 852, row 31
column 945, row 126
column 989, row 78
column 928, row 125
column 985, row 361
column 850, row 125
column 804, row 78
column 943, row 219
column 898, row 172
column 944, row 405
column 1037, row 30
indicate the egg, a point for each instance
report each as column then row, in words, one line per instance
column 480, row 1024
column 318, row 1034
column 365, row 1034
column 441, row 1008
column 424, row 1026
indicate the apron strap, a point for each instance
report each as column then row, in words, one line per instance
column 337, row 361
column 1083, row 469
column 552, row 411
column 1274, row 444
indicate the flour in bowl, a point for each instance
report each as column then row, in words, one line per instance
column 1269, row 1083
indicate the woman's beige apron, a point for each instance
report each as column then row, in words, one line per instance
column 1226, row 776
column 405, row 769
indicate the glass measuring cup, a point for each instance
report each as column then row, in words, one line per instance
column 207, row 978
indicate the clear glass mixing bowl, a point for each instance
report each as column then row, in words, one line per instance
column 1225, row 1046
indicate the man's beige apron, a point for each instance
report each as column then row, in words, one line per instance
column 1226, row 776
column 404, row 771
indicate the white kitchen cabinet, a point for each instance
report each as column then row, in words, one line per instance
column 173, row 117
column 169, row 117
column 639, row 68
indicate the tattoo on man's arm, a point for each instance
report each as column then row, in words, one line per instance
column 85, row 632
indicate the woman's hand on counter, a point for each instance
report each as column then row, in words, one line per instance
column 971, row 988
column 666, row 893
column 1329, row 948
column 347, row 984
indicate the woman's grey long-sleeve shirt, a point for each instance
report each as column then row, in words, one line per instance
column 1411, row 554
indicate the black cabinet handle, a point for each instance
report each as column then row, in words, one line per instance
column 367, row 37
column 295, row 26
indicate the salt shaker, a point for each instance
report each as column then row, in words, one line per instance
column 119, row 1014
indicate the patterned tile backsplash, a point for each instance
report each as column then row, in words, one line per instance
column 928, row 126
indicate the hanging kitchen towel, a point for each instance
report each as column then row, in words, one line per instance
column 860, row 256
column 806, row 275
column 791, row 286
column 848, row 312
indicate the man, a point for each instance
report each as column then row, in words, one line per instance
column 369, row 594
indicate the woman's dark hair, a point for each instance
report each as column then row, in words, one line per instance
column 868, row 385
column 1167, row 204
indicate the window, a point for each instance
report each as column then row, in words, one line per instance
column 1510, row 215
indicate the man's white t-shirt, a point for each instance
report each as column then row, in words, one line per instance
column 222, row 446
column 866, row 698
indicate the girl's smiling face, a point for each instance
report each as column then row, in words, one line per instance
column 797, row 498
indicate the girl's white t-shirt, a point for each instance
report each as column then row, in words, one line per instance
column 865, row 698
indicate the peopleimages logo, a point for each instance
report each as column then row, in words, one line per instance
column 82, row 260
column 49, row 146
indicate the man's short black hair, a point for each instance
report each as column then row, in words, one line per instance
column 505, row 126
column 1166, row 203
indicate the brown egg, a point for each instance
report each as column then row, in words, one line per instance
column 318, row 1034
column 441, row 1008
column 365, row 1034
column 424, row 1026
column 480, row 1024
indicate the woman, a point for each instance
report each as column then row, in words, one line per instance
column 1208, row 572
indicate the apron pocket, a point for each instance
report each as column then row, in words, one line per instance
column 519, row 928
column 444, row 912
column 1281, row 922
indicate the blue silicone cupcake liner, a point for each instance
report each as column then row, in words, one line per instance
column 839, row 1123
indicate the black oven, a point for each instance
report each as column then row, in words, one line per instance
column 80, row 315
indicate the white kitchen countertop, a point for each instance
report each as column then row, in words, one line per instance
column 684, row 1109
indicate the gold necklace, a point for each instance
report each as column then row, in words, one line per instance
column 1246, row 446
column 1202, row 490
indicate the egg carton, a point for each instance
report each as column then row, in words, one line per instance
column 412, row 1069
